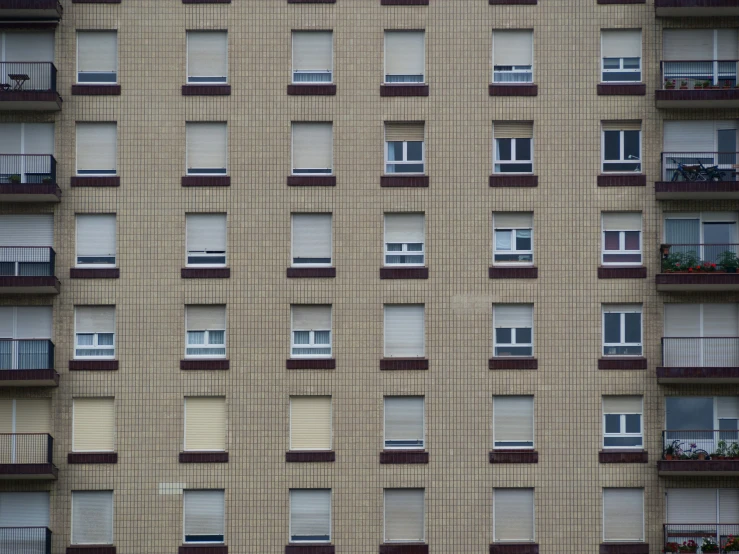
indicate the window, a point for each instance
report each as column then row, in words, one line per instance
column 310, row 423
column 313, row 145
column 513, row 515
column 404, row 240
column 313, row 57
column 207, row 57
column 206, row 331
column 513, row 240
column 513, row 326
column 404, row 428
column 623, row 515
column 621, row 146
column 513, row 422
column 311, row 240
column 94, row 332
column 205, row 423
column 404, row 515
column 311, row 331
column 93, row 425
column 701, row 335
column 310, row 515
column 404, row 331
column 92, row 517
column 207, row 148
column 622, row 330
column 24, row 509
column 206, row 239
column 21, row 416
column 715, row 506
column 204, row 516
column 27, row 334
column 695, row 420
column 711, row 52
column 96, row 149
column 27, row 138
column 621, row 55
column 513, row 152
column 404, row 150
column 96, row 240
column 97, row 57
column 405, row 57
column 19, row 47
column 621, row 238
column 513, row 56
column 622, row 422
column 701, row 235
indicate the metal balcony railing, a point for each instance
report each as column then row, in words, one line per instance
column 27, row 168
column 26, row 354
column 686, row 257
column 700, row 444
column 700, row 166
column 27, row 261
column 700, row 351
column 27, row 77
column 26, row 448
column 703, row 534
column 699, row 74
column 25, row 540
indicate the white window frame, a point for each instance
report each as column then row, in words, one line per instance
column 187, row 59
column 384, row 513
column 405, row 160
column 405, row 252
column 622, row 430
column 76, row 243
column 640, row 344
column 94, row 346
column 77, row 58
column 206, row 343
column 621, row 159
column 330, row 519
column 516, row 70
column 622, row 248
column 620, row 69
column 385, row 446
column 533, row 425
column 513, row 251
column 184, row 529
column 513, row 160
column 311, row 343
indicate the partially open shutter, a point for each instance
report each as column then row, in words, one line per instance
column 622, row 404
column 404, row 228
column 205, row 423
column 513, row 515
column 623, row 514
column 33, row 415
column 621, row 125
column 513, row 316
column 310, row 514
column 96, row 235
column 621, row 221
column 687, row 44
column 206, row 318
column 207, row 147
column 513, row 129
column 411, row 131
column 310, row 423
column 311, row 236
column 404, row 330
column 513, row 47
column 684, row 504
column 97, row 51
column 404, row 420
column 688, row 137
column 207, row 55
column 313, row 146
column 404, row 515
column 27, row 230
column 204, row 513
column 94, row 319
column 727, row 407
column 206, row 232
column 312, row 50
column 96, row 147
column 621, row 43
column 308, row 317
column 405, row 53
column 92, row 517
column 93, row 428
column 32, row 322
column 513, row 220
column 513, row 419
column 38, row 138
column 24, row 509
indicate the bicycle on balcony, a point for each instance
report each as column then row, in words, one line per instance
column 697, row 172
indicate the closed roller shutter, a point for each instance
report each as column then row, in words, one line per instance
column 513, row 47
column 513, row 419
column 513, row 316
column 33, row 322
column 24, row 509
column 727, row 44
column 205, row 423
column 92, row 517
column 728, row 510
column 404, row 53
column 311, row 318
column 513, row 129
column 313, row 146
column 513, row 220
column 310, row 514
column 689, row 137
column 404, row 515
column 204, row 515
column 97, row 51
column 404, row 421
column 513, row 515
column 27, row 230
column 404, row 131
column 621, row 43
column 684, row 504
column 687, row 44
column 205, row 318
column 207, row 55
column 404, row 228
column 720, row 320
column 207, row 147
column 94, row 425
column 206, row 232
column 621, row 221
column 311, row 237
column 310, row 423
column 623, row 514
column 727, row 407
column 312, row 50
column 33, row 415
column 7, row 322
column 94, row 319
column 96, row 235
column 682, row 320
column 404, row 331
column 38, row 138
column 96, row 147
column 10, row 138
column 29, row 47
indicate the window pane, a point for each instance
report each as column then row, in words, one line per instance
column 394, row 151
column 633, row 328
column 633, row 423
column 523, row 239
column 613, row 423
column 301, row 337
column 611, row 240
column 105, row 339
column 394, row 247
column 623, row 442
column 504, row 148
column 631, row 145
column 523, row 149
column 689, row 412
column 502, row 240
column 322, row 337
column 523, row 336
column 631, row 63
column 85, row 340
column 612, row 328
column 611, row 63
column 632, row 240
column 415, row 246
column 415, row 151
column 612, row 145
column 503, row 336
column 196, row 337
column 217, row 337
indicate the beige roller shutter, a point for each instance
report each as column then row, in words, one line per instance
column 92, row 517
column 623, row 514
column 94, row 319
column 682, row 320
column 207, row 54
column 207, row 146
column 404, row 423
column 205, row 317
column 96, row 235
column 684, row 504
column 513, row 515
column 404, row 515
column 727, row 407
column 27, row 230
column 621, row 43
column 33, row 415
column 622, row 404
column 621, row 221
column 513, row 47
column 687, row 44
column 404, row 228
column 33, row 322
column 310, row 423
column 312, row 50
column 310, row 513
column 513, row 419
column 513, row 316
column 404, row 330
column 405, row 53
column 313, row 145
column 96, row 147
column 97, row 51
column 621, row 308
column 205, row 423
column 728, row 509
column 311, row 317
column 206, row 232
column 621, row 125
column 404, row 131
column 6, row 416
column 93, row 428
column 513, row 129
column 513, row 220
column 720, row 320
column 311, row 236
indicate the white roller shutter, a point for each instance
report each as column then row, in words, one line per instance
column 621, row 308
column 27, row 230
column 32, row 322
column 513, row 515
column 689, row 137
column 205, row 512
column 404, row 515
column 720, row 320
column 682, row 320
column 313, row 145
column 411, row 131
column 621, row 221
column 687, row 44
column 205, row 423
column 93, row 426
column 622, row 404
column 207, row 54
column 727, row 407
column 96, row 147
column 29, row 47
column 94, row 319
column 513, row 316
column 92, row 517
column 206, row 232
column 513, row 220
column 404, row 419
column 205, row 318
column 24, row 509
column 97, row 51
column 96, row 235
column 405, row 53
column 311, row 236
column 207, row 146
column 404, row 331
column 312, row 50
column 404, row 228
column 513, row 47
column 513, row 419
column 311, row 318
column 310, row 513
column 621, row 43
column 684, row 504
column 310, row 423
column 38, row 138
column 10, row 138
column 623, row 514
column 728, row 509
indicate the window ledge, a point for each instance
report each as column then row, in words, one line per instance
column 311, row 181
column 415, row 181
column 96, row 90
column 311, row 90
column 623, row 457
column 404, row 548
column 96, row 1
column 501, row 180
column 404, row 457
column 310, row 456
column 404, row 89
column 203, row 457
column 94, row 273
column 511, row 89
column 92, row 458
column 312, row 363
column 310, row 549
column 206, row 90
column 607, row 272
column 95, row 181
column 205, row 273
column 512, row 2
column 622, row 89
column 623, row 548
column 503, row 272
column 404, row 3
column 206, row 181
column 91, row 549
column 622, row 363
column 93, row 365
column 622, row 180
column 311, row 1
column 202, row 549
column 404, row 273
column 521, row 456
column 622, row 1
column 394, row 364
column 204, row 364
column 206, row 1
column 310, row 272
column 505, row 362
column 515, row 548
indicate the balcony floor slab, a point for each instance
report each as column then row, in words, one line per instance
column 698, row 375
column 33, row 472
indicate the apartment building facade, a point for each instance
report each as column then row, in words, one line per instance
column 396, row 276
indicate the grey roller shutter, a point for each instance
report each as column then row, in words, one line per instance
column 205, row 317
column 513, row 220
column 687, row 44
column 405, row 53
column 27, row 230
column 404, row 330
column 92, row 517
column 312, row 50
column 310, row 514
column 513, row 419
column 207, row 55
column 96, row 235
column 94, row 319
column 205, row 512
column 96, row 147
column 32, row 322
column 97, row 51
column 514, row 47
column 623, row 514
column 404, row 420
column 404, row 131
column 621, row 43
column 404, row 515
column 313, row 145
column 684, row 504
column 513, row 515
column 24, row 509
column 622, row 404
column 206, row 232
column 621, row 221
column 621, row 125
column 311, row 236
column 207, row 147
column 404, row 228
column 311, row 318
column 513, row 316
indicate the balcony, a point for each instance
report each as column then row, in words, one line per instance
column 699, row 360
column 707, row 536
column 25, row 540
column 698, row 84
column 698, row 176
column 28, row 178
column 27, row 456
column 698, row 267
column 27, row 363
column 28, row 86
column 31, row 9
column 27, row 270
column 696, row 8
column 699, row 453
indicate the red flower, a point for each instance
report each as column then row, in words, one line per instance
column 690, row 270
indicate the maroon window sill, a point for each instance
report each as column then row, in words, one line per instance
column 622, row 363
column 33, row 25
column 622, row 1
column 203, row 457
column 91, row 549
column 622, row 272
column 513, row 457
column 515, row 548
column 206, row 1
column 512, row 2
column 311, row 456
column 311, row 90
column 29, row 471
column 694, row 187
column 93, row 365
column 404, row 273
column 206, row 181
column 207, row 365
column 95, row 181
column 206, row 90
column 404, row 457
column 205, row 273
column 94, row 273
column 404, row 2
column 311, row 1
column 698, row 373
column 202, row 549
column 310, row 549
column 404, row 90
column 622, row 90
column 513, row 181
column 504, row 362
column 92, row 458
column 623, row 548
column 96, row 90
column 404, row 549
column 318, row 363
column 96, row 1
column 311, row 181
column 310, row 272
column 394, row 364
column 524, row 89
column 496, row 272
column 623, row 457
column 414, row 181
column 621, row 180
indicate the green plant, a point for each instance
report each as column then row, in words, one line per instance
column 721, row 449
column 689, row 546
column 709, row 545
column 734, row 450
column 671, row 547
column 46, row 180
column 683, row 84
column 727, row 259
column 680, row 261
column 732, row 544
column 15, row 178
column 669, row 83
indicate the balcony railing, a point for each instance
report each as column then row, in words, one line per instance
column 699, row 74
column 700, row 166
column 701, row 444
column 26, row 354
column 700, row 533
column 26, row 448
column 700, row 351
column 686, row 257
column 27, row 77
column 25, row 540
column 27, row 168
column 26, row 261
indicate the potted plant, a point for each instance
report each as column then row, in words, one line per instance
column 669, row 84
column 671, row 451
column 689, row 546
column 671, row 547
column 732, row 544
column 727, row 84
column 709, row 545
column 15, row 178
column 46, row 180
column 734, row 451
column 728, row 261
column 683, row 85
column 722, row 451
